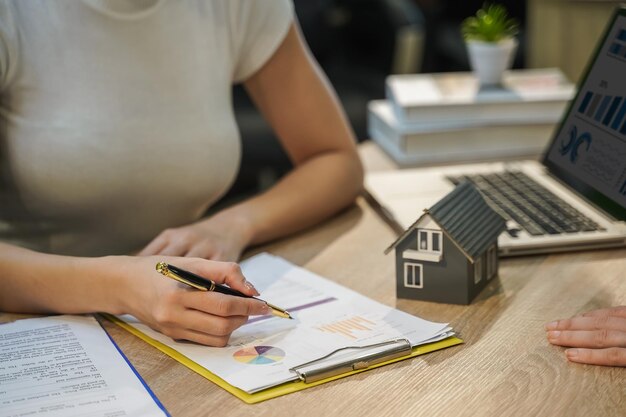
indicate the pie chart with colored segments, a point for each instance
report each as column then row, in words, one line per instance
column 259, row 355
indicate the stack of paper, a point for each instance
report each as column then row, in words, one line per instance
column 264, row 352
column 67, row 366
column 431, row 118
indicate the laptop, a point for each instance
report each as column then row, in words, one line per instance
column 574, row 198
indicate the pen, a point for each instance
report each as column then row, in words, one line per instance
column 204, row 284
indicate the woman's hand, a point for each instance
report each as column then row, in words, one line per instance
column 597, row 337
column 222, row 237
column 34, row 282
column 306, row 115
column 180, row 312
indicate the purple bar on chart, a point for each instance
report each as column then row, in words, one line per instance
column 313, row 304
column 605, row 102
column 296, row 308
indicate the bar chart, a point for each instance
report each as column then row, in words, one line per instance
column 607, row 110
column 348, row 327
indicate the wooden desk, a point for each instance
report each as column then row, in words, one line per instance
column 505, row 367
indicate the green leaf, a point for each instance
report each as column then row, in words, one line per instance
column 491, row 23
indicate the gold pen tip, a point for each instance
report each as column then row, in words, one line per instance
column 161, row 267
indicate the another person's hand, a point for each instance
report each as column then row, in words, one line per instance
column 183, row 313
column 597, row 337
column 219, row 238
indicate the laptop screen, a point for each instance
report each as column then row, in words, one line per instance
column 588, row 151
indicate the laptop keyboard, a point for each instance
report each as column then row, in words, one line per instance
column 518, row 197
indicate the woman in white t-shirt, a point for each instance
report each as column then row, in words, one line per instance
column 116, row 134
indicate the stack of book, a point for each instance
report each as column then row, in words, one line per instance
column 445, row 117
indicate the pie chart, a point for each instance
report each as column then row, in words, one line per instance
column 259, row 355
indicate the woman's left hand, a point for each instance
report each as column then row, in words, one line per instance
column 218, row 238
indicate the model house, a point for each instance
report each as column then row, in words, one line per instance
column 451, row 252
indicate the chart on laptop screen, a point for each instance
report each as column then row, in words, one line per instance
column 591, row 144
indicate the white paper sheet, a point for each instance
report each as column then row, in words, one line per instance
column 327, row 317
column 67, row 366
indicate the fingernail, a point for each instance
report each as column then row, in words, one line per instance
column 266, row 308
column 572, row 353
column 552, row 325
column 249, row 286
column 553, row 334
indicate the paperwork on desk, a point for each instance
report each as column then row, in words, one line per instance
column 67, row 365
column 328, row 317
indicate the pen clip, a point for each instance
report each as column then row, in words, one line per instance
column 340, row 361
column 164, row 269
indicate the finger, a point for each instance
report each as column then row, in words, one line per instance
column 589, row 323
column 594, row 339
column 619, row 311
column 224, row 305
column 608, row 357
column 201, row 250
column 228, row 273
column 207, row 323
column 153, row 247
column 177, row 333
column 174, row 249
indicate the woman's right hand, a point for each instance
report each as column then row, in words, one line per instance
column 179, row 311
column 34, row 282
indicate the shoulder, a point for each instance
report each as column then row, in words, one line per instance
column 256, row 29
column 266, row 9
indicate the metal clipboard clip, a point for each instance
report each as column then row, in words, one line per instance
column 351, row 358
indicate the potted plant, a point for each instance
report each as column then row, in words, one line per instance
column 491, row 43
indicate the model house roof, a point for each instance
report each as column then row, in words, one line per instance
column 466, row 218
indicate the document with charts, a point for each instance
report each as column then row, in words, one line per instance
column 328, row 317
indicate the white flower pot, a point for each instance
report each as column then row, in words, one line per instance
column 489, row 60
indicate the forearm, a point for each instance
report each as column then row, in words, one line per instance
column 33, row 282
column 312, row 192
column 299, row 103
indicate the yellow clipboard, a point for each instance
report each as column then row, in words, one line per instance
column 287, row 387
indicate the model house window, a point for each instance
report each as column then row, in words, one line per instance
column 423, row 240
column 429, row 240
column 436, row 241
column 413, row 275
column 492, row 262
column 478, row 271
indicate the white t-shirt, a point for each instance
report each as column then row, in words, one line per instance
column 116, row 117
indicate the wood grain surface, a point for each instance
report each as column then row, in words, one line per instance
column 505, row 367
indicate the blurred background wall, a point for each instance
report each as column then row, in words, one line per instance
column 359, row 42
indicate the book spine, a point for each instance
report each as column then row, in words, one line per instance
column 522, row 112
column 397, row 154
column 454, row 146
column 482, row 142
column 383, row 129
column 398, row 110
